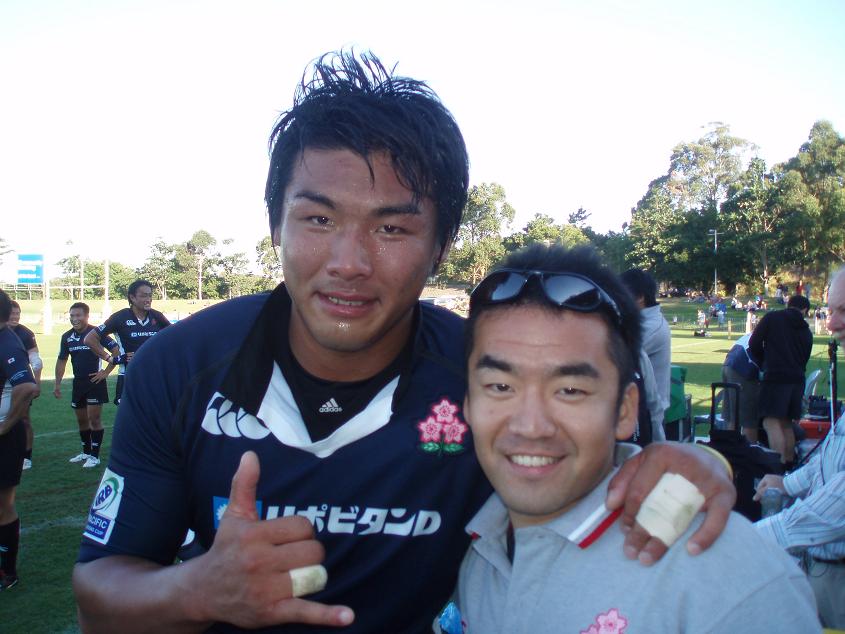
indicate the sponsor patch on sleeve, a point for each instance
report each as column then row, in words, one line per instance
column 103, row 512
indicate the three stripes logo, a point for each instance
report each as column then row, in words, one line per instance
column 330, row 407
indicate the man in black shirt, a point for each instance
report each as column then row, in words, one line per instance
column 131, row 326
column 27, row 338
column 781, row 344
column 89, row 385
column 17, row 389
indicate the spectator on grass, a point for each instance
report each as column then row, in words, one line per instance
column 27, row 337
column 739, row 367
column 781, row 344
column 656, row 341
column 17, row 389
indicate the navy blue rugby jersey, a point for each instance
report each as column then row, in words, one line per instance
column 83, row 361
column 26, row 336
column 389, row 493
column 14, row 368
column 130, row 332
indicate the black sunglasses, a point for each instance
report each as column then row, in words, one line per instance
column 567, row 290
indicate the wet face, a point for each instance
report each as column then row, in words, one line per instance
column 836, row 308
column 78, row 318
column 15, row 317
column 542, row 407
column 356, row 251
column 142, row 300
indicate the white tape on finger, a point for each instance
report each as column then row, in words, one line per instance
column 308, row 580
column 668, row 510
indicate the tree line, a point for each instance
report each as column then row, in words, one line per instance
column 718, row 206
column 194, row 269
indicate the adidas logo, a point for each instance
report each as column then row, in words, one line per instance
column 330, row 407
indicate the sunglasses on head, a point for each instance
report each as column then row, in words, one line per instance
column 567, row 290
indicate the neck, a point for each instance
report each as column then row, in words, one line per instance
column 140, row 313
column 331, row 364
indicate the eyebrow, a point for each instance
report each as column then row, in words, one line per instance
column 577, row 369
column 491, row 363
column 407, row 209
column 314, row 197
column 573, row 369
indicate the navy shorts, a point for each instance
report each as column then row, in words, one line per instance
column 86, row 393
column 12, row 452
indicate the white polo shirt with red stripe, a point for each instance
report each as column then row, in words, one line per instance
column 571, row 575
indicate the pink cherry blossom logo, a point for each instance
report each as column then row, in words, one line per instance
column 443, row 431
column 611, row 622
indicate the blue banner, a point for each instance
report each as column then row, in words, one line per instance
column 30, row 269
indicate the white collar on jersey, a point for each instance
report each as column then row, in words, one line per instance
column 281, row 417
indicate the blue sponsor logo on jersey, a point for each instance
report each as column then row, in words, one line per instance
column 219, row 506
column 104, row 508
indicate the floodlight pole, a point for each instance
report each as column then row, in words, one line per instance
column 715, row 233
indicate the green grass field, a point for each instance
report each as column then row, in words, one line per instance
column 54, row 495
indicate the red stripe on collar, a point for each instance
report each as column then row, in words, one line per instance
column 606, row 523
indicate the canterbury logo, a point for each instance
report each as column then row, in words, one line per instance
column 223, row 418
column 330, row 407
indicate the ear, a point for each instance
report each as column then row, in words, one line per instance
column 466, row 408
column 277, row 235
column 628, row 410
column 444, row 253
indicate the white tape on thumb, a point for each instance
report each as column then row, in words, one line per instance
column 308, row 580
column 668, row 510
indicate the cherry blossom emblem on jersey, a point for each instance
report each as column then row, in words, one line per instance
column 611, row 622
column 443, row 430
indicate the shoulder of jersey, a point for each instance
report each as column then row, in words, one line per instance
column 9, row 338
column 204, row 336
column 222, row 320
column 442, row 330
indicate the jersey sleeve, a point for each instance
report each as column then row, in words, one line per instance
column 27, row 337
column 140, row 508
column 165, row 322
column 16, row 366
column 110, row 325
column 64, row 353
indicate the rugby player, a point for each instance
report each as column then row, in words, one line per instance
column 132, row 327
column 89, row 383
column 17, row 389
column 334, row 400
column 27, row 337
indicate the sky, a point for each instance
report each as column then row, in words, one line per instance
column 122, row 122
